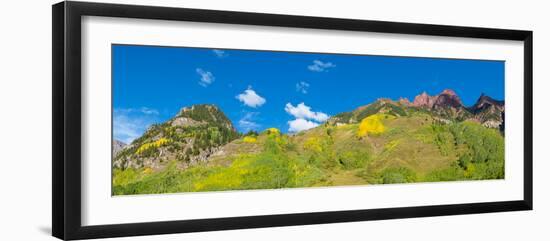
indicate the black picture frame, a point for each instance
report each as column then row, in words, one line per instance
column 66, row 127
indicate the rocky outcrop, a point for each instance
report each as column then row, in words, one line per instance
column 118, row 146
column 488, row 111
column 484, row 102
column 404, row 101
column 184, row 121
column 424, row 100
column 447, row 98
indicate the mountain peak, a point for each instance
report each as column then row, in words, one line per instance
column 448, row 92
column 208, row 107
column 202, row 114
column 488, row 111
column 190, row 137
column 404, row 101
column 485, row 100
column 447, row 98
column 424, row 100
column 118, row 146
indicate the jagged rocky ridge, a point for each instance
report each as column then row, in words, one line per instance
column 445, row 107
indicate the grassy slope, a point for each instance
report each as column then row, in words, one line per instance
column 412, row 148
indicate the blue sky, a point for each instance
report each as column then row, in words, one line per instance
column 289, row 91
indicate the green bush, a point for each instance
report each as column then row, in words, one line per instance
column 448, row 174
column 397, row 175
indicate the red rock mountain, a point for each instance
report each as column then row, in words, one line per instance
column 445, row 107
column 447, row 98
column 424, row 100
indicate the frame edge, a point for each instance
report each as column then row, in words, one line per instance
column 528, row 120
column 58, row 79
column 66, row 206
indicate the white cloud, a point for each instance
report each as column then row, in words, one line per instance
column 302, row 111
column 142, row 110
column 250, row 98
column 304, row 118
column 320, row 66
column 302, row 86
column 149, row 111
column 300, row 124
column 247, row 123
column 129, row 124
column 219, row 53
column 206, row 77
column 125, row 129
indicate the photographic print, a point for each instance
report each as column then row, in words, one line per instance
column 191, row 119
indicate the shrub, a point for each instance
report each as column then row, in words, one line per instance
column 313, row 144
column 249, row 139
column 251, row 133
column 273, row 131
column 449, row 174
column 485, row 150
column 397, row 175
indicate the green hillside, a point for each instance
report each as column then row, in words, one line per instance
column 385, row 142
column 189, row 139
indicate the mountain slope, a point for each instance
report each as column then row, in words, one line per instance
column 446, row 107
column 118, row 146
column 488, row 111
column 190, row 138
column 386, row 106
column 434, row 138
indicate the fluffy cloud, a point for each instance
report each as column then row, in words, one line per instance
column 219, row 53
column 129, row 124
column 302, row 86
column 250, row 98
column 300, row 124
column 302, row 111
column 206, row 77
column 319, row 66
column 304, row 118
column 247, row 123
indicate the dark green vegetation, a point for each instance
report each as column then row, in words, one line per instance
column 402, row 144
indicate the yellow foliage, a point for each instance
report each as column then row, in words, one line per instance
column 126, row 176
column 273, row 131
column 155, row 144
column 228, row 178
column 470, row 170
column 371, row 125
column 249, row 139
column 313, row 144
column 222, row 180
column 147, row 170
